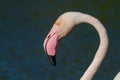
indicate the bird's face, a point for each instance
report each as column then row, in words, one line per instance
column 50, row 44
column 51, row 41
column 59, row 30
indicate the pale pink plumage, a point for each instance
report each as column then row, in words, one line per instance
column 64, row 25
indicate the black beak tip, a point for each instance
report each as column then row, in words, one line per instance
column 52, row 59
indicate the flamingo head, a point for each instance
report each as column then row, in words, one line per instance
column 62, row 27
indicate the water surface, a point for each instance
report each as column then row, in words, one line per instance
column 24, row 25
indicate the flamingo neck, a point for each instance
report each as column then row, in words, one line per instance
column 100, row 54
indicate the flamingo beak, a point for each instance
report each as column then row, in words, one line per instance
column 50, row 44
column 52, row 59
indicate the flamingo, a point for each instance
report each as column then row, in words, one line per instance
column 63, row 25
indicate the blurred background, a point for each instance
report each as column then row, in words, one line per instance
column 25, row 23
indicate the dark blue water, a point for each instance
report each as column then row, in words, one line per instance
column 25, row 23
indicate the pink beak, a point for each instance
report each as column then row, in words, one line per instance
column 50, row 44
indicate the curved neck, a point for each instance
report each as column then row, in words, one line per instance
column 100, row 54
column 117, row 77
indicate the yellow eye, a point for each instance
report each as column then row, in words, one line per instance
column 58, row 22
